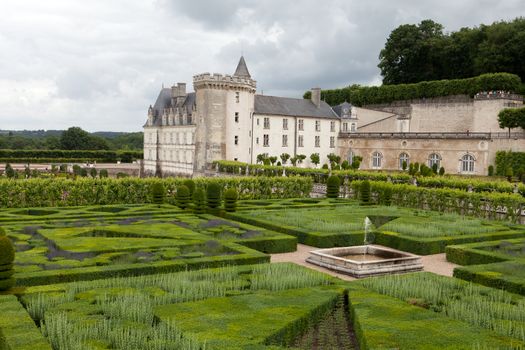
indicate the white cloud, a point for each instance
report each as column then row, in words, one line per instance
column 99, row 64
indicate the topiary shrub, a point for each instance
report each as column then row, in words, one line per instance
column 199, row 201
column 158, row 193
column 435, row 168
column 103, row 173
column 441, row 171
column 213, row 195
column 491, row 170
column 182, row 197
column 191, row 186
column 230, row 199
column 93, row 172
column 7, row 256
column 364, row 193
column 332, row 187
column 509, row 173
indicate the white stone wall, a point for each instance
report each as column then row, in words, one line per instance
column 275, row 133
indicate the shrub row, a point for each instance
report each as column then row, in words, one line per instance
column 321, row 176
column 512, row 160
column 17, row 329
column 246, row 256
column 484, row 204
column 35, row 156
column 475, row 254
column 85, row 191
column 506, row 275
column 365, row 95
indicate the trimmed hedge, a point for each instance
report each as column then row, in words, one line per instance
column 366, row 95
column 474, row 254
column 17, row 329
column 509, row 159
column 246, row 256
column 484, row 204
column 36, row 156
column 86, row 191
column 321, row 176
column 506, row 275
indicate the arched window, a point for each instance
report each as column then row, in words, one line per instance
column 434, row 158
column 403, row 158
column 377, row 160
column 467, row 163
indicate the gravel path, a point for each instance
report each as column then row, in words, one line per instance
column 436, row 263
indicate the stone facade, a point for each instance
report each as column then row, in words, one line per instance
column 225, row 119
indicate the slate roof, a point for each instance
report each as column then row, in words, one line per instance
column 339, row 108
column 164, row 101
column 272, row 105
column 242, row 69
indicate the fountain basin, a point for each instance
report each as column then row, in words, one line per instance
column 366, row 260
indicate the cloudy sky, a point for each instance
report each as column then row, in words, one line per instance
column 98, row 64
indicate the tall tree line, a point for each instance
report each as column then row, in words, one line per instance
column 415, row 53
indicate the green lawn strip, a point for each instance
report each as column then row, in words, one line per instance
column 384, row 322
column 245, row 321
column 486, row 252
column 507, row 275
column 245, row 256
column 17, row 329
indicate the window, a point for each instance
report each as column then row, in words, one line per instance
column 317, row 125
column 171, row 137
column 237, row 96
column 266, row 140
column 403, row 158
column 300, row 125
column 377, row 159
column 300, row 142
column 257, row 140
column 434, row 158
column 257, row 121
column 266, row 123
column 189, row 118
column 150, row 155
column 332, row 126
column 285, row 124
column 236, row 117
column 285, row 140
column 350, row 157
column 332, row 141
column 318, row 141
column 352, row 127
column 345, row 126
column 236, row 140
column 467, row 163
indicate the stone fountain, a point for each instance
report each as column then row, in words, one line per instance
column 366, row 260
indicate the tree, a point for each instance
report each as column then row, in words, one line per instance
column 333, row 158
column 314, row 157
column 262, row 157
column 294, row 160
column 9, row 171
column 300, row 158
column 74, row 138
column 512, row 118
column 356, row 162
column 272, row 159
column 332, row 186
column 230, row 199
column 183, row 197
column 284, row 158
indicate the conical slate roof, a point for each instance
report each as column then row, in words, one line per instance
column 242, row 70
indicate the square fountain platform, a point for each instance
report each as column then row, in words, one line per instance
column 366, row 260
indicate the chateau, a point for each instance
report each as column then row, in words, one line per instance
column 224, row 119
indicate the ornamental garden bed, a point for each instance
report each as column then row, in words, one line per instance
column 264, row 306
column 132, row 240
column 342, row 224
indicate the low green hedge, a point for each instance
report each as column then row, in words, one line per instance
column 321, row 175
column 86, row 191
column 17, row 156
column 247, row 256
column 17, row 330
column 507, row 275
column 271, row 245
column 474, row 254
column 365, row 95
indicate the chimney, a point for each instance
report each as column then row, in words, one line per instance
column 316, row 96
column 174, row 91
column 182, row 89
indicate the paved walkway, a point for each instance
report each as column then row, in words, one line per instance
column 436, row 263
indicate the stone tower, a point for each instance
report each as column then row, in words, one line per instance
column 225, row 105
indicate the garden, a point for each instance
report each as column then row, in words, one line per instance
column 178, row 264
